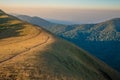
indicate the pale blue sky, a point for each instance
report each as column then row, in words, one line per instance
column 75, row 11
column 64, row 3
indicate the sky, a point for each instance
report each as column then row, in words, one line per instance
column 65, row 11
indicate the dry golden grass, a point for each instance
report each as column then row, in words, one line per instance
column 4, row 16
column 35, row 54
column 12, row 22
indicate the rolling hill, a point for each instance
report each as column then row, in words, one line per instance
column 29, row 52
column 104, row 37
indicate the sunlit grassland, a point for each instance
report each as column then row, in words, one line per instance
column 31, row 53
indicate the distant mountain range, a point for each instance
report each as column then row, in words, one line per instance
column 101, row 39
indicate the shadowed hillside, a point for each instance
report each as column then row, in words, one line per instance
column 104, row 37
column 35, row 54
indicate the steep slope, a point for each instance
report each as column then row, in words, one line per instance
column 35, row 54
column 107, row 31
column 103, row 37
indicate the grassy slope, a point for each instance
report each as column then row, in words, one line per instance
column 29, row 53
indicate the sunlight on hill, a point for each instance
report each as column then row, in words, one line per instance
column 13, row 22
column 28, row 52
column 4, row 16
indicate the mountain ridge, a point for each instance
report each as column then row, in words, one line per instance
column 42, row 58
column 104, row 38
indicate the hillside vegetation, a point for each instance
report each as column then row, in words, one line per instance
column 28, row 52
column 104, row 37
